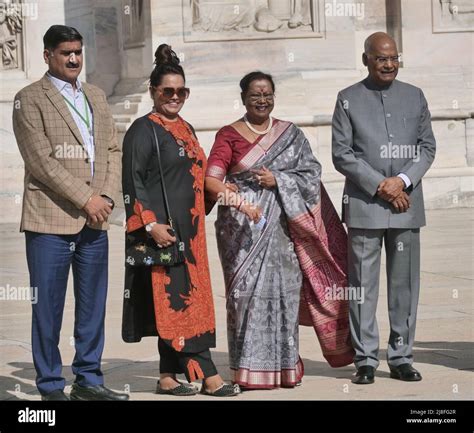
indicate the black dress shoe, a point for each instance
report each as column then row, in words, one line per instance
column 405, row 372
column 97, row 392
column 57, row 395
column 365, row 375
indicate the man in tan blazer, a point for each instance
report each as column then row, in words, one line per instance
column 67, row 138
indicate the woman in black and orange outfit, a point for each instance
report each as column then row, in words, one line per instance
column 173, row 302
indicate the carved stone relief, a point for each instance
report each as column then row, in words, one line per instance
column 453, row 16
column 11, row 24
column 206, row 20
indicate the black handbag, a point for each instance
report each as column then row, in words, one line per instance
column 143, row 250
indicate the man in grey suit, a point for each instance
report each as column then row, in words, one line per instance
column 382, row 142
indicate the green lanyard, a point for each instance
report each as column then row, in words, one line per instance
column 85, row 119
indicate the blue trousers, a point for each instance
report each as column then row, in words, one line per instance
column 49, row 260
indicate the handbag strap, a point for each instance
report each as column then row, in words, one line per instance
column 163, row 186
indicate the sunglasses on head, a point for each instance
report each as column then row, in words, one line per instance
column 169, row 92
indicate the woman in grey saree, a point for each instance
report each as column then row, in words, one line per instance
column 276, row 273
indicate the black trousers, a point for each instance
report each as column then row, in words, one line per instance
column 194, row 365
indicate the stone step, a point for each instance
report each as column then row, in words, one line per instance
column 131, row 85
column 308, row 94
column 121, row 99
column 122, row 118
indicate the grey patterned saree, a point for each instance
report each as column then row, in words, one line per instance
column 276, row 277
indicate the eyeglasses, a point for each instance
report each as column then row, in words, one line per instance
column 381, row 60
column 253, row 99
column 169, row 92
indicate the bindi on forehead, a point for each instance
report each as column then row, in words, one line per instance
column 260, row 87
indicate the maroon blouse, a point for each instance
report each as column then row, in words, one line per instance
column 228, row 149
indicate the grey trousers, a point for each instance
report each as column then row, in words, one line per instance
column 402, row 247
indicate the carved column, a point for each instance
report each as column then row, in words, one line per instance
column 11, row 40
column 133, row 24
column 394, row 22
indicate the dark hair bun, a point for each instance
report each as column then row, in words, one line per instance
column 166, row 62
column 164, row 54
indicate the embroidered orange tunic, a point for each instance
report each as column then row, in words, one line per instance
column 182, row 296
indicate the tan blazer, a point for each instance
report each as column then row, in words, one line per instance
column 58, row 180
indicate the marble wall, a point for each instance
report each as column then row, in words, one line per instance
column 313, row 51
column 210, row 59
column 424, row 48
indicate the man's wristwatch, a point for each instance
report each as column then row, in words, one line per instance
column 149, row 227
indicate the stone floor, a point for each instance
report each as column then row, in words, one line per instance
column 443, row 347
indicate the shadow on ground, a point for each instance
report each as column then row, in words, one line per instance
column 138, row 376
